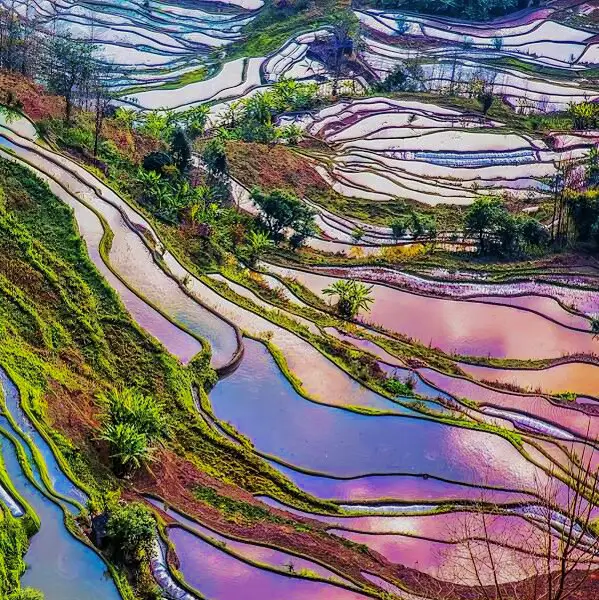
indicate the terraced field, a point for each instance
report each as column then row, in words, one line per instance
column 438, row 443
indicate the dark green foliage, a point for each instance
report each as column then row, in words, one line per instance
column 486, row 100
column 584, row 212
column 214, row 156
column 156, row 161
column 407, row 76
column 399, row 388
column 419, row 225
column 282, row 210
column 181, row 151
column 499, row 232
column 130, row 530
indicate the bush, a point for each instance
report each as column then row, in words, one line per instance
column 130, row 531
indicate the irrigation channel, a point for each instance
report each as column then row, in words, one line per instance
column 402, row 473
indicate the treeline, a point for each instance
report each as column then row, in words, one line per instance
column 71, row 68
column 463, row 9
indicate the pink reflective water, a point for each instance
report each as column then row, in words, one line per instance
column 468, row 328
column 542, row 304
column 220, row 576
column 581, row 378
column 564, row 416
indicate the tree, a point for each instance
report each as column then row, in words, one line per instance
column 548, row 547
column 345, row 26
column 399, row 226
column 282, row 210
column 482, row 220
column 156, row 161
column 258, row 244
column 486, row 100
column 354, row 296
column 101, row 77
column 214, row 157
column 595, row 327
column 131, row 530
column 70, row 68
column 181, row 151
column 195, row 119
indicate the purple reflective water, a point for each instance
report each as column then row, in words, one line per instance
column 450, row 562
column 220, row 576
column 407, row 488
column 259, row 401
column 260, row 554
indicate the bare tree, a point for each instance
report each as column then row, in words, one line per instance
column 546, row 549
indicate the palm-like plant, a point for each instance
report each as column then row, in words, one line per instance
column 258, row 244
column 126, row 116
column 128, row 447
column 354, row 297
column 293, row 134
column 131, row 407
column 195, row 119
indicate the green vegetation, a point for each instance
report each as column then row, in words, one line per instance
column 26, row 594
column 498, row 232
column 353, row 297
column 252, row 119
column 282, row 211
column 14, row 541
column 281, row 19
column 79, row 360
column 130, row 530
column 131, row 423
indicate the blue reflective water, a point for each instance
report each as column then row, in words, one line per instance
column 58, row 564
column 259, row 401
column 60, row 482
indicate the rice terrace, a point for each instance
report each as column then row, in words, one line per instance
column 299, row 299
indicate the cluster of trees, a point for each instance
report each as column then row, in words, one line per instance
column 407, row 76
column 419, row 225
column 132, row 425
column 283, row 214
column 497, row 231
column 584, row 213
column 68, row 67
column 253, row 119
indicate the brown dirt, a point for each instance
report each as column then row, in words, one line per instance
column 272, row 167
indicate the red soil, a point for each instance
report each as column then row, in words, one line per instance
column 37, row 103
